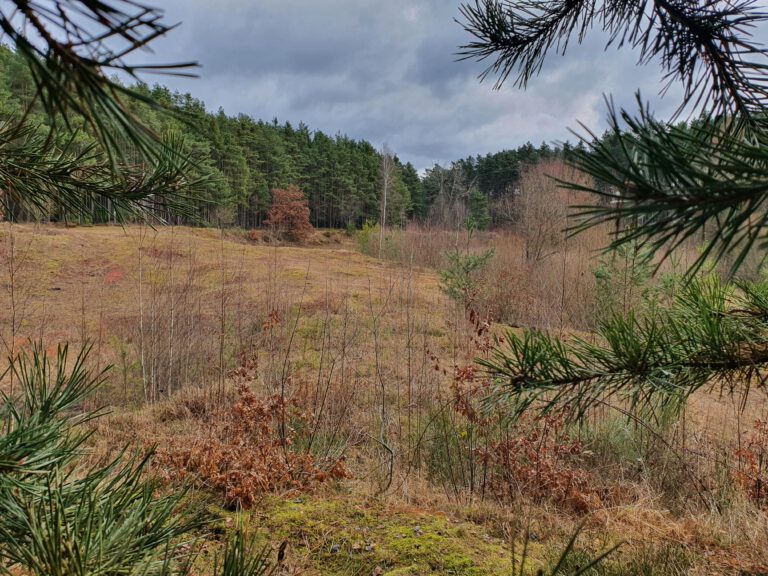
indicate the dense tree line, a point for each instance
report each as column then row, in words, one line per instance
column 479, row 190
column 245, row 159
column 237, row 161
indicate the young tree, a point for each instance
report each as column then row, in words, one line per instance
column 447, row 190
column 541, row 208
column 387, row 170
column 289, row 214
column 713, row 173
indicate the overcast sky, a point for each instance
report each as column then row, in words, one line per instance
column 385, row 71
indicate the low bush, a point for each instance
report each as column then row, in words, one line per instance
column 249, row 450
column 472, row 448
column 540, row 459
column 367, row 238
column 752, row 471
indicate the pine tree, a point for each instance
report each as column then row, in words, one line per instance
column 59, row 518
column 672, row 179
column 478, row 212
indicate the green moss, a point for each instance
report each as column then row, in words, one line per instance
column 334, row 537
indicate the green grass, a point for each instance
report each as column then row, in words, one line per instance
column 665, row 560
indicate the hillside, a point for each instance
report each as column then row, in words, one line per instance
column 211, row 336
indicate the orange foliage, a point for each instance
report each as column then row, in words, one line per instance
column 539, row 458
column 533, row 456
column 752, row 473
column 245, row 454
column 289, row 214
column 114, row 276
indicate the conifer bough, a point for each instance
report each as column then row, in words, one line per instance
column 713, row 172
column 74, row 49
column 665, row 182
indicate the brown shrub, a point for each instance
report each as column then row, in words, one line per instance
column 752, row 472
column 534, row 457
column 245, row 454
column 289, row 214
column 538, row 458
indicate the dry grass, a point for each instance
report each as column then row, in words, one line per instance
column 368, row 352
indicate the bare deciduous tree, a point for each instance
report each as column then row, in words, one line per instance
column 387, row 168
column 542, row 208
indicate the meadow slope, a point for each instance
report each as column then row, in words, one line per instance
column 357, row 374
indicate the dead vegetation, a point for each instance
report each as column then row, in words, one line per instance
column 248, row 451
column 261, row 369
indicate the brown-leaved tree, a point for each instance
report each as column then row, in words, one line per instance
column 289, row 214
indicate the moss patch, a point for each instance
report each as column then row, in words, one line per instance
column 329, row 536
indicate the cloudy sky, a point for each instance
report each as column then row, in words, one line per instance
column 385, row 71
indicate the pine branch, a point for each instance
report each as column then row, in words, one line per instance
column 703, row 45
column 59, row 519
column 41, row 176
column 673, row 182
column 74, row 48
column 704, row 339
column 34, row 435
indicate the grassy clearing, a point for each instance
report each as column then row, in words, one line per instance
column 367, row 353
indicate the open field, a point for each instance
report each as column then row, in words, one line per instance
column 329, row 393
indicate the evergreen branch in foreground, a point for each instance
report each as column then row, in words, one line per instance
column 60, row 519
column 713, row 334
column 38, row 173
column 74, row 48
column 706, row 46
column 664, row 184
column 668, row 180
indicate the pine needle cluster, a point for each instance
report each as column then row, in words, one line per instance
column 75, row 51
column 662, row 182
column 62, row 519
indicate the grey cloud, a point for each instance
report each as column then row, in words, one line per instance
column 386, row 72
